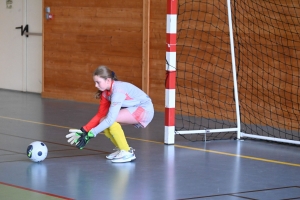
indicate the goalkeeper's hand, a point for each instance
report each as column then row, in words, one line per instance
column 83, row 139
column 73, row 136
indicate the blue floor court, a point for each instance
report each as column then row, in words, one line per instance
column 214, row 170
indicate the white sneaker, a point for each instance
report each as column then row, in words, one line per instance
column 124, row 156
column 113, row 155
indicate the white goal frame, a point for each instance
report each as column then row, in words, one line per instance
column 171, row 30
column 170, row 92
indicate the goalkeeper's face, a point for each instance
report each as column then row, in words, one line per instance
column 101, row 83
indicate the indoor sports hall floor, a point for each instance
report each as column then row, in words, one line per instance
column 216, row 170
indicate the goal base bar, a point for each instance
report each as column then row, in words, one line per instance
column 270, row 138
column 170, row 133
column 208, row 131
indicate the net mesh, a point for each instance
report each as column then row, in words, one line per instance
column 267, row 52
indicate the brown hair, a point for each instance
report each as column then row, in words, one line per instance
column 104, row 72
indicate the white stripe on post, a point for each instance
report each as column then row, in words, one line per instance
column 171, row 61
column 170, row 97
column 171, row 26
column 169, row 134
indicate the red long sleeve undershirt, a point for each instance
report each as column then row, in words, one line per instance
column 102, row 112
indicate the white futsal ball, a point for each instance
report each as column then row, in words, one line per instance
column 37, row 151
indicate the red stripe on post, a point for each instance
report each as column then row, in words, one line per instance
column 171, row 38
column 172, row 7
column 171, row 47
column 170, row 79
column 169, row 116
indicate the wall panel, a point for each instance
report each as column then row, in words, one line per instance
column 85, row 34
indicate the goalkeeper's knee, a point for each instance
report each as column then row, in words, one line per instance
column 115, row 127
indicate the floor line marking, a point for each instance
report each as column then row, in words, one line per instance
column 22, row 120
column 179, row 146
column 241, row 156
column 35, row 191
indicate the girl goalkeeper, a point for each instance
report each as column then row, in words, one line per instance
column 120, row 103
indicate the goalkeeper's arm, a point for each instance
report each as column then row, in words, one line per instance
column 102, row 112
column 81, row 136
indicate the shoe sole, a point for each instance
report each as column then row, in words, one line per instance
column 121, row 160
column 110, row 158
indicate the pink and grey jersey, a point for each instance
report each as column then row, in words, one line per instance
column 126, row 95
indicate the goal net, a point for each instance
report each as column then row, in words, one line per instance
column 265, row 66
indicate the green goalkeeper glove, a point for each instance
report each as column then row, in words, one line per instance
column 83, row 139
column 73, row 136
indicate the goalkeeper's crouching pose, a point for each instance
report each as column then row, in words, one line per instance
column 120, row 103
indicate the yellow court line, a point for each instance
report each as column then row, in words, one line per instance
column 241, row 156
column 143, row 140
column 179, row 146
column 22, row 120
